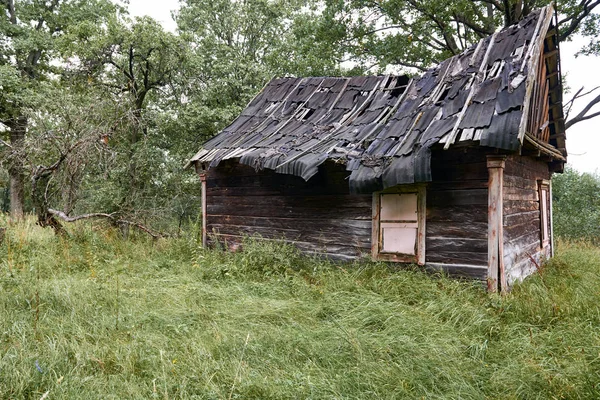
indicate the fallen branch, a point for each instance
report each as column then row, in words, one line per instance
column 66, row 218
column 112, row 217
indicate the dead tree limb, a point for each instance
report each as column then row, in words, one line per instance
column 583, row 114
column 569, row 104
column 111, row 217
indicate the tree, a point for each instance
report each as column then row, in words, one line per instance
column 237, row 46
column 134, row 63
column 30, row 44
column 576, row 205
column 413, row 35
column 68, row 135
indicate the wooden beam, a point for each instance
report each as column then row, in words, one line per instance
column 551, row 220
column 375, row 225
column 545, row 148
column 203, row 181
column 550, row 53
column 531, row 60
column 496, row 277
column 551, row 32
column 421, row 220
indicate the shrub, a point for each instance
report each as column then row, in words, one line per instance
column 576, row 198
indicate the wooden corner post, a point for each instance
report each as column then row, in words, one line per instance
column 203, row 181
column 496, row 276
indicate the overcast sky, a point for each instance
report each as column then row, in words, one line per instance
column 583, row 139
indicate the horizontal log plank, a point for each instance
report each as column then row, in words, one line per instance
column 474, row 258
column 519, row 206
column 356, row 238
column 331, row 251
column 459, row 270
column 526, row 167
column 450, row 244
column 526, row 266
column 457, row 197
column 533, row 196
column 289, row 211
column 521, row 218
column 306, row 202
column 471, row 230
column 514, row 193
column 514, row 255
column 520, row 182
column 514, row 231
column 317, row 224
column 525, row 239
column 457, row 156
column 242, row 191
column 285, row 184
column 458, row 214
column 464, row 172
column 462, row 184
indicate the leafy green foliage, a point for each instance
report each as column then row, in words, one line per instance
column 73, row 71
column 31, row 47
column 576, row 205
column 416, row 34
column 95, row 316
column 236, row 48
column 32, row 40
column 135, row 64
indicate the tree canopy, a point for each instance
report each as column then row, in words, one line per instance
column 100, row 111
column 415, row 34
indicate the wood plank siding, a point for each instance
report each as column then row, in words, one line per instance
column 522, row 223
column 321, row 216
column 456, row 238
column 318, row 216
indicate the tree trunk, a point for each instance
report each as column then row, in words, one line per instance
column 138, row 131
column 18, row 127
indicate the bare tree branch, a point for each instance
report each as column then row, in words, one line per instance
column 111, row 217
column 579, row 119
column 583, row 114
column 479, row 30
column 410, row 65
column 495, row 3
column 575, row 20
column 569, row 105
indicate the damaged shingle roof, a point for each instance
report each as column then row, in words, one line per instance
column 382, row 127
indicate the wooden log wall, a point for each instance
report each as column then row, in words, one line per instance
column 456, row 239
column 522, row 236
column 319, row 216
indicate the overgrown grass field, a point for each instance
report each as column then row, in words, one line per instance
column 94, row 316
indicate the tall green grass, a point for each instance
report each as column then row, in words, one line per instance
column 94, row 316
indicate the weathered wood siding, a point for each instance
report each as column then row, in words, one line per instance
column 456, row 238
column 319, row 216
column 522, row 236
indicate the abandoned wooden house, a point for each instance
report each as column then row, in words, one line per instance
column 450, row 170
